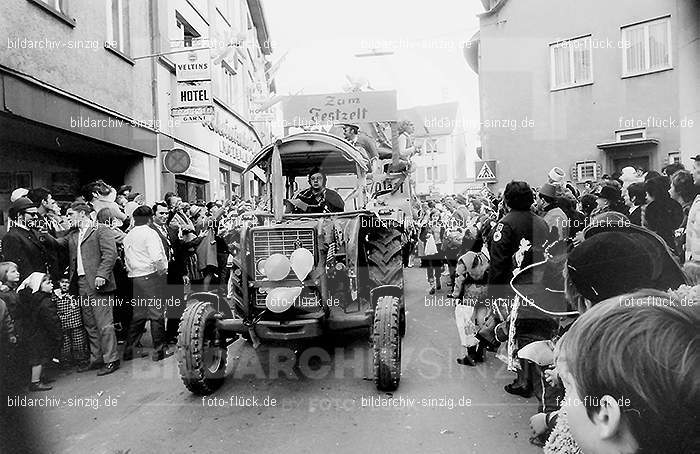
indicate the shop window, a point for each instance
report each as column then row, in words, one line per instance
column 587, row 170
column 571, row 63
column 646, row 47
column 225, row 184
column 118, row 26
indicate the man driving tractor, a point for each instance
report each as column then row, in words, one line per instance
column 317, row 198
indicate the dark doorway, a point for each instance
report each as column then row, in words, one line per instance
column 640, row 162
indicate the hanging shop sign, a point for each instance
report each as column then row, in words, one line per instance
column 193, row 94
column 196, row 66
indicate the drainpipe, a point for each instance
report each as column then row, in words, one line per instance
column 155, row 48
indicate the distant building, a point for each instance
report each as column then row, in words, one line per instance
column 591, row 87
column 441, row 165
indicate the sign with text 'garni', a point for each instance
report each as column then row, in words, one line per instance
column 360, row 107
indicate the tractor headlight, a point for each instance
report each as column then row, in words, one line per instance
column 260, row 266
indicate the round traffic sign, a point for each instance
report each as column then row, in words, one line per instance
column 177, row 160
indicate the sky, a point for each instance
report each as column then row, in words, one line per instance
column 428, row 67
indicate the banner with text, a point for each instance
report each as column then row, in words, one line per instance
column 307, row 110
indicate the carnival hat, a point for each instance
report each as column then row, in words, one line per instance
column 616, row 262
column 667, row 273
column 556, row 175
column 541, row 285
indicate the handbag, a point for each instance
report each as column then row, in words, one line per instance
column 430, row 246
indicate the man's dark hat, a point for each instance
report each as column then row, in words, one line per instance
column 551, row 190
column 350, row 125
column 20, row 205
column 696, row 157
column 608, row 192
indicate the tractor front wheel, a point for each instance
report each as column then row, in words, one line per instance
column 201, row 349
column 386, row 343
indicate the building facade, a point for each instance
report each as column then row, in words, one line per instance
column 591, row 87
column 235, row 39
column 86, row 89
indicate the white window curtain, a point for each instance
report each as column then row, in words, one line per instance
column 658, row 45
column 647, row 47
column 634, row 42
column 562, row 66
column 572, row 63
column 582, row 61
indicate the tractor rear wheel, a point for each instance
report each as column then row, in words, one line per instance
column 385, row 264
column 384, row 257
column 201, row 349
column 386, row 344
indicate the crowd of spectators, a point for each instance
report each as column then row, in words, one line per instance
column 588, row 295
column 78, row 280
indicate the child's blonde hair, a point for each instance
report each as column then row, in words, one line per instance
column 5, row 268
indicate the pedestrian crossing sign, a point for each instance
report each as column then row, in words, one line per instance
column 486, row 171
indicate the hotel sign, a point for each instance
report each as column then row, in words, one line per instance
column 194, row 100
column 361, row 107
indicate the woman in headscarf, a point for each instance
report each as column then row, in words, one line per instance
column 41, row 332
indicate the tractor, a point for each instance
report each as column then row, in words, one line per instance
column 300, row 276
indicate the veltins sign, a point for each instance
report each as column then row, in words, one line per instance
column 359, row 107
column 196, row 66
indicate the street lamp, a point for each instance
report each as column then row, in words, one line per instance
column 374, row 53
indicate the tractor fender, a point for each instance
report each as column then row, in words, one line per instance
column 204, row 296
column 384, row 290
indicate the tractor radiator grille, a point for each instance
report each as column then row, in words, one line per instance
column 280, row 241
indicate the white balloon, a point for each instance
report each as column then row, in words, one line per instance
column 280, row 299
column 302, row 262
column 276, row 267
